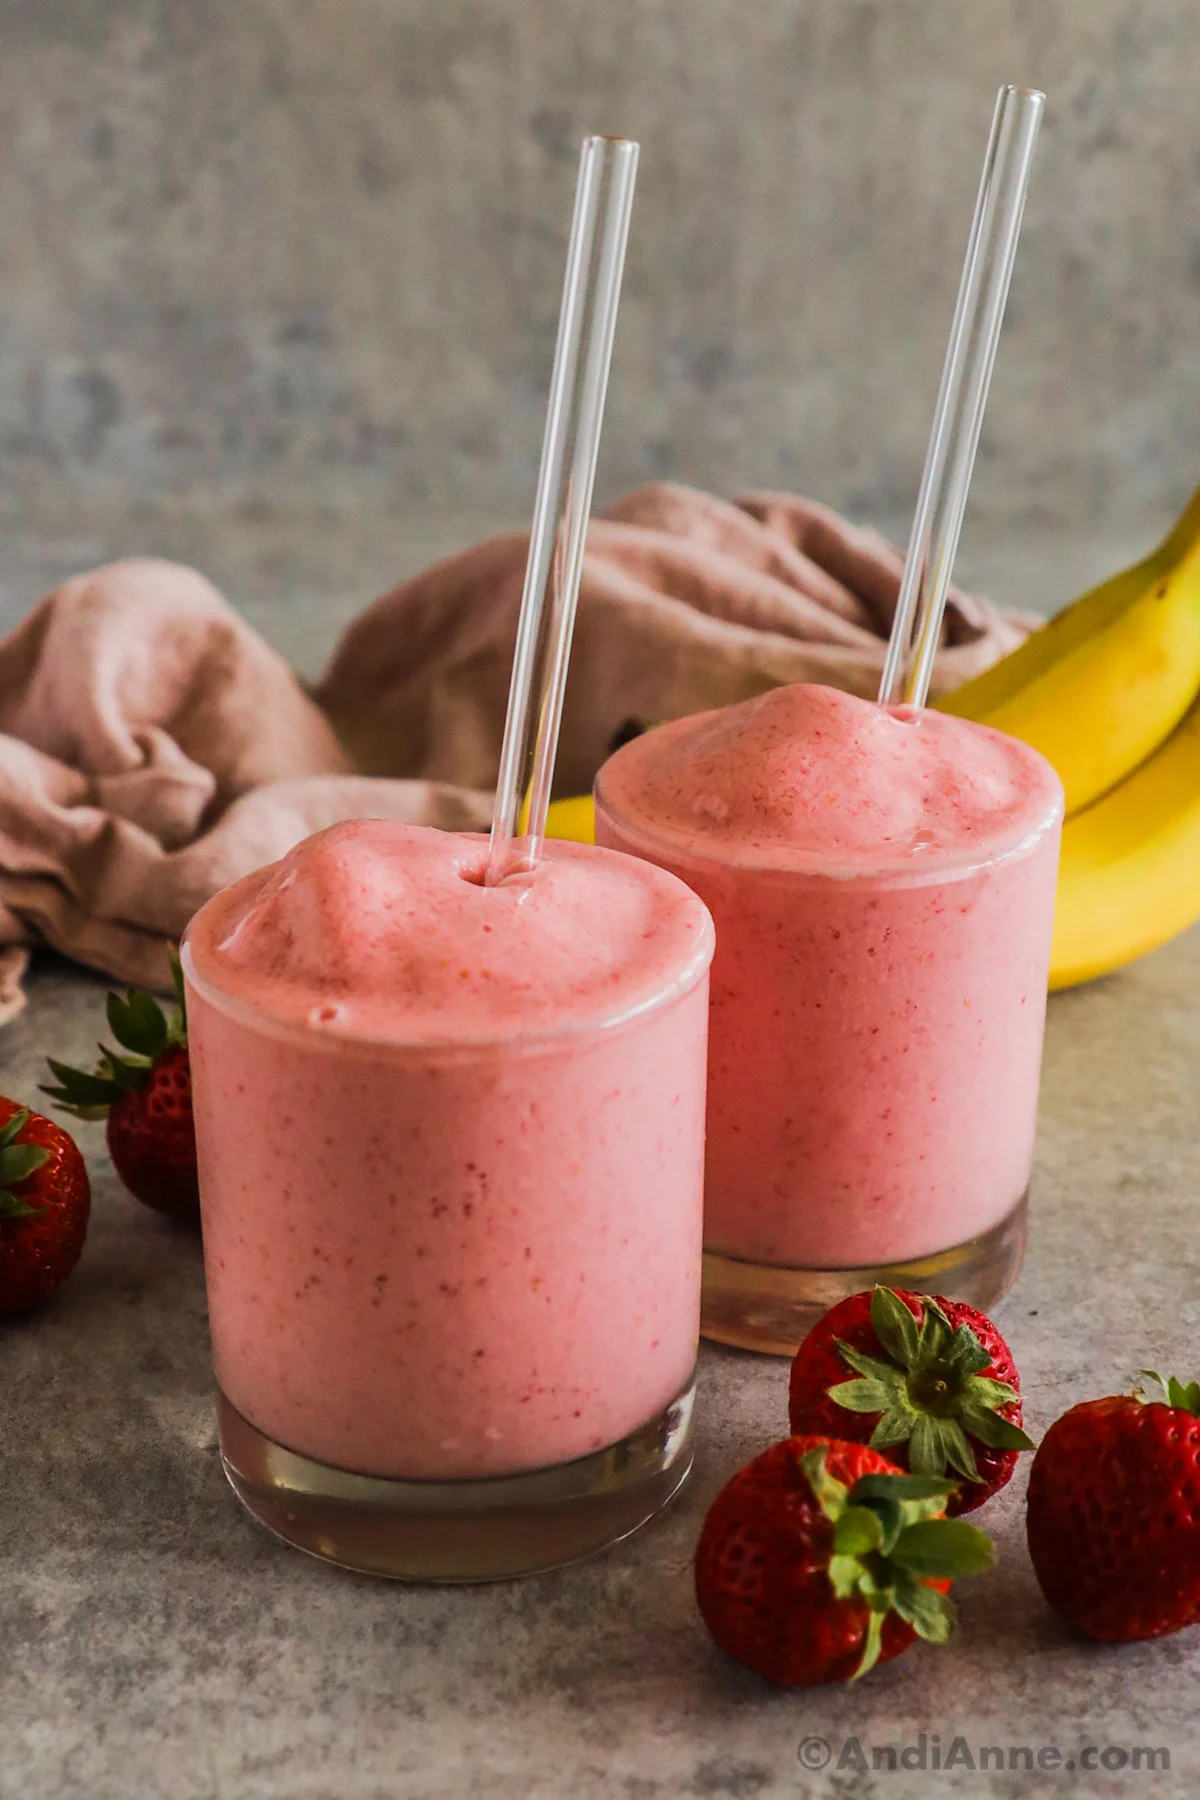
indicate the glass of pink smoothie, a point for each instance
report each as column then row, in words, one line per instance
column 882, row 883
column 451, row 1172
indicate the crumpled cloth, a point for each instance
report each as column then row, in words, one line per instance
column 155, row 749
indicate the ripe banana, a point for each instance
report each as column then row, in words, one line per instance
column 1129, row 878
column 1105, row 682
column 574, row 819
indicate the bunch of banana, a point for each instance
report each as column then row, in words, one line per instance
column 1109, row 692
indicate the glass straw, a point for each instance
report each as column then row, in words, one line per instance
column 991, row 251
column 595, row 262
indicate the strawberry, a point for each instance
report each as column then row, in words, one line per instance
column 934, row 1385
column 45, row 1200
column 820, row 1559
column 1113, row 1514
column 146, row 1097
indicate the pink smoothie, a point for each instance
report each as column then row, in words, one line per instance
column 451, row 1149
column 882, row 883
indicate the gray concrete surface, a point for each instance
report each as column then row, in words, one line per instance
column 156, row 1645
column 295, row 249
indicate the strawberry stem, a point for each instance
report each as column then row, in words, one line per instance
column 17, row 1163
column 144, row 1032
column 928, row 1389
column 889, row 1540
column 1185, row 1396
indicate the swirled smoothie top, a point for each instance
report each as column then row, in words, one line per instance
column 385, row 932
column 811, row 779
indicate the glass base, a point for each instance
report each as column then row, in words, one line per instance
column 759, row 1306
column 448, row 1531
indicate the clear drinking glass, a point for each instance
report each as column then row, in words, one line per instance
column 450, row 1119
column 454, row 1285
column 874, row 1055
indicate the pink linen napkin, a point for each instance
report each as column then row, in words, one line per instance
column 154, row 748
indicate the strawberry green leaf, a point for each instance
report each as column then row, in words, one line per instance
column 866, row 1395
column 894, row 1427
column 992, row 1393
column 956, row 1450
column 992, row 1429
column 100, row 1111
column 11, row 1131
column 925, row 1455
column 886, row 1545
column 829, row 1493
column 857, row 1532
column 930, row 1613
column 948, row 1548
column 903, row 1499
column 128, row 1073
column 13, row 1207
column 844, row 1573
column 138, row 1023
column 901, row 1488
column 932, row 1395
column 872, row 1645
column 872, row 1367
column 892, row 1519
column 1175, row 1392
column 915, row 1510
column 966, row 1353
column 77, row 1088
column 143, row 1031
column 894, row 1326
column 875, row 1584
column 935, row 1336
column 18, row 1162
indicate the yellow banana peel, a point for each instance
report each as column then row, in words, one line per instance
column 573, row 819
column 1129, row 878
column 1100, row 687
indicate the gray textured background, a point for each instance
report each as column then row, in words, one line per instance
column 307, row 253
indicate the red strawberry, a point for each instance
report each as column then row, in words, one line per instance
column 146, row 1097
column 45, row 1201
column 1114, row 1514
column 936, row 1387
column 820, row 1559
column 152, row 1138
